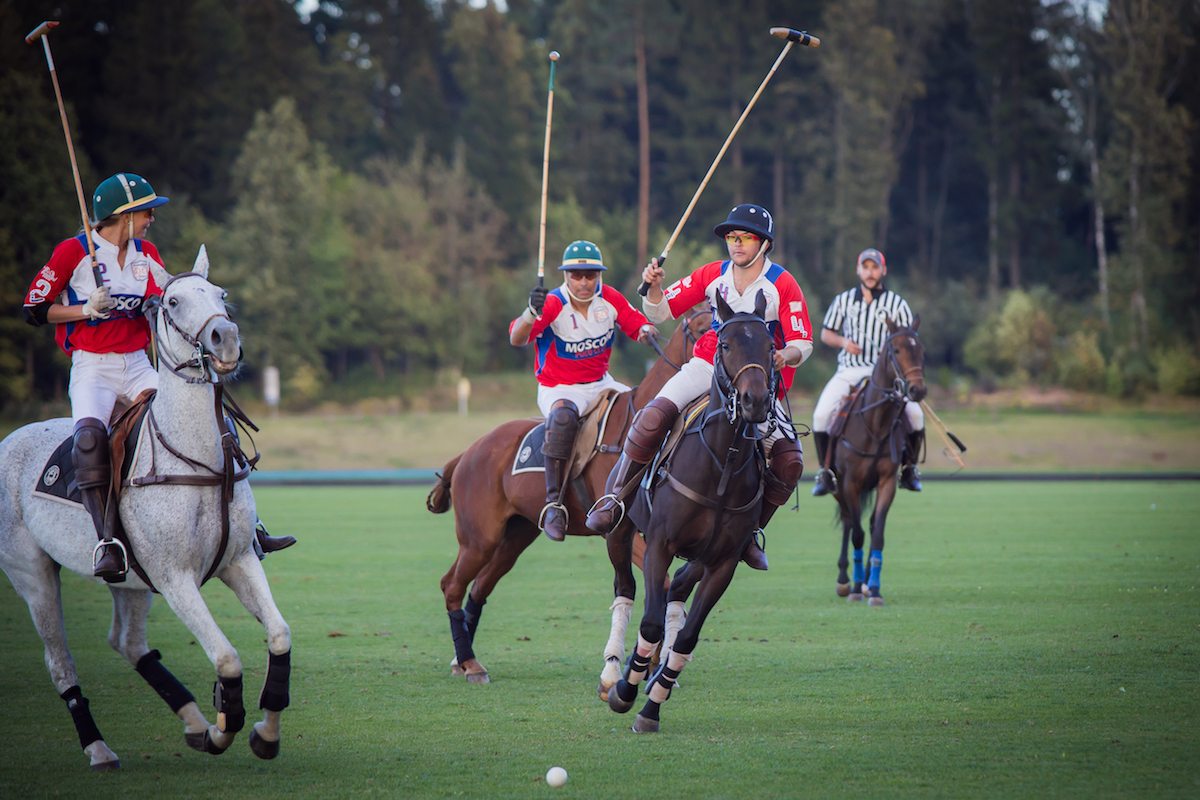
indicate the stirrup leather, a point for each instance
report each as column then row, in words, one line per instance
column 100, row 545
column 617, row 502
column 542, row 516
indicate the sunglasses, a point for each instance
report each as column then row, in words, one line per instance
column 583, row 274
column 740, row 238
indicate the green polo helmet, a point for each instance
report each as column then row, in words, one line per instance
column 121, row 193
column 582, row 254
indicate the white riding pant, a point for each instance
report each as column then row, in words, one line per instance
column 695, row 379
column 581, row 394
column 845, row 379
column 98, row 380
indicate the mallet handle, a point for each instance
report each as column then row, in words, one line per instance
column 541, row 266
column 645, row 287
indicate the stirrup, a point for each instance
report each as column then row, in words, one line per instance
column 542, row 516
column 100, row 545
column 617, row 502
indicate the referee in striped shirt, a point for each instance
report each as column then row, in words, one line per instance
column 855, row 323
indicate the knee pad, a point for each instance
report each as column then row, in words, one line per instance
column 650, row 428
column 561, row 427
column 89, row 452
column 786, row 468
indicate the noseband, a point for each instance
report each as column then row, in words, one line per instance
column 201, row 359
column 727, row 386
column 900, row 384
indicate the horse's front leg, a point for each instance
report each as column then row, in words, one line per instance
column 714, row 583
column 620, row 553
column 183, row 596
column 246, row 578
column 127, row 636
column 650, row 633
column 883, row 501
column 850, row 586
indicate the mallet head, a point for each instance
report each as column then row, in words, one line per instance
column 799, row 37
column 554, row 55
column 40, row 31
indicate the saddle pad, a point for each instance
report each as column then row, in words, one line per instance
column 694, row 409
column 57, row 481
column 529, row 454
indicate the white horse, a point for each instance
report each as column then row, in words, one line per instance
column 174, row 528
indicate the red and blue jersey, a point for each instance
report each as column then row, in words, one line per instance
column 69, row 274
column 575, row 347
column 787, row 313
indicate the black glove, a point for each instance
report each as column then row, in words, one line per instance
column 537, row 299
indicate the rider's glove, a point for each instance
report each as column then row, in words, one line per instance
column 98, row 304
column 537, row 299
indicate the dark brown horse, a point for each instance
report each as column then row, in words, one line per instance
column 496, row 512
column 868, row 454
column 704, row 509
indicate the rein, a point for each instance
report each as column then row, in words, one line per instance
column 688, row 338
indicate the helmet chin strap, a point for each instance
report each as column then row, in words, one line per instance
column 566, row 288
column 762, row 249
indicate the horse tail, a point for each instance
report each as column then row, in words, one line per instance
column 438, row 501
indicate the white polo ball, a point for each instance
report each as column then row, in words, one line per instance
column 556, row 776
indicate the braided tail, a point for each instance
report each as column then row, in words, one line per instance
column 438, row 501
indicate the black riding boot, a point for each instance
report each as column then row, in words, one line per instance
column 784, row 468
column 649, row 431
column 561, row 427
column 826, row 483
column 910, row 478
column 93, row 475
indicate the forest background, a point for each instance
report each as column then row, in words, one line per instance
column 366, row 173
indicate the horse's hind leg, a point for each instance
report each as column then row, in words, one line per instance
column 128, row 637
column 40, row 587
column 246, row 578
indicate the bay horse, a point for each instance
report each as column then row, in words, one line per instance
column 496, row 512
column 867, row 455
column 705, row 509
column 189, row 516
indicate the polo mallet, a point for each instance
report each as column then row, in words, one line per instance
column 944, row 432
column 42, row 32
column 546, row 171
column 792, row 37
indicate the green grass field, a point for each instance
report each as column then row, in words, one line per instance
column 1040, row 640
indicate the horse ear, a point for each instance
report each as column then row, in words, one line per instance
column 760, row 305
column 892, row 326
column 724, row 312
column 916, row 323
column 201, row 265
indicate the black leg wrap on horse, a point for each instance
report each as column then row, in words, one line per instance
column 462, row 636
column 274, row 695
column 85, row 726
column 173, row 693
column 472, row 611
column 650, row 710
column 227, row 699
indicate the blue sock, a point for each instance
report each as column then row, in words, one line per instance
column 876, row 567
column 859, row 574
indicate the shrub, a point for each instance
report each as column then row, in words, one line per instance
column 1178, row 370
column 1081, row 364
column 1018, row 341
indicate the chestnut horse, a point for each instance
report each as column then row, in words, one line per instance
column 496, row 512
column 868, row 454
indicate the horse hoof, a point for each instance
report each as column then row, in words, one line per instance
column 843, row 589
column 875, row 601
column 645, row 725
column 261, row 747
column 616, row 703
column 211, row 747
column 456, row 669
column 106, row 766
column 855, row 597
column 478, row 677
column 196, row 741
column 603, row 689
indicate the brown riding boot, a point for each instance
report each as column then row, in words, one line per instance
column 268, row 543
column 562, row 424
column 650, row 429
column 93, row 475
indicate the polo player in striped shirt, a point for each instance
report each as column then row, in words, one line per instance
column 856, row 323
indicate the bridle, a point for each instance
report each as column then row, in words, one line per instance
column 901, row 383
column 201, row 359
column 688, row 338
column 727, row 385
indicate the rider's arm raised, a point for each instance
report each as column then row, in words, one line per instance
column 631, row 321
column 523, row 330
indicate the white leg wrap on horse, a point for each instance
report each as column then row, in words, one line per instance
column 675, row 664
column 622, row 610
column 676, row 616
column 645, row 650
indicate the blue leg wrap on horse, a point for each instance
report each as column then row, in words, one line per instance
column 876, row 568
column 462, row 636
column 274, row 695
column 227, row 699
column 650, row 710
column 860, row 575
column 85, row 726
column 471, row 613
column 174, row 693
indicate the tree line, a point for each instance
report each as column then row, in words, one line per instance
column 366, row 173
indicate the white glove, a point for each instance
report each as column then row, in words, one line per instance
column 98, row 304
